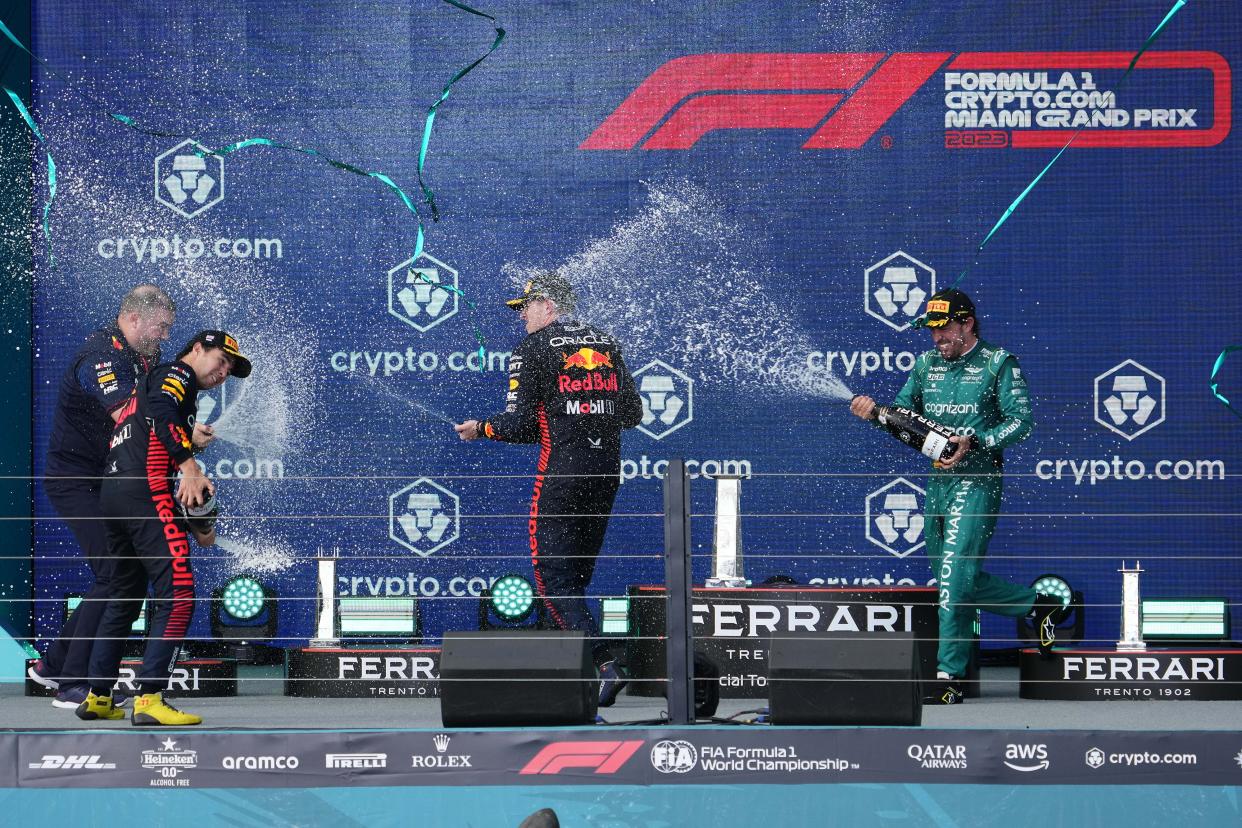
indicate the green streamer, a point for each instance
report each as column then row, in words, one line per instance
column 1009, row 211
column 51, row 165
column 1215, row 384
column 431, row 112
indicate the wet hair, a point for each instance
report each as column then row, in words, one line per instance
column 146, row 299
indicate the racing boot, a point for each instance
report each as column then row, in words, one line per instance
column 1046, row 612
column 98, row 707
column 150, row 710
column 611, row 682
column 946, row 690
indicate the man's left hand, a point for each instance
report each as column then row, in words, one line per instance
column 469, row 430
column 963, row 446
column 202, row 437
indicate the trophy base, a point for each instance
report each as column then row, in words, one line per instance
column 1197, row 674
column 726, row 583
column 336, row 672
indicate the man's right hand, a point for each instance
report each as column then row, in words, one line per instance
column 195, row 488
column 863, row 407
column 202, row 437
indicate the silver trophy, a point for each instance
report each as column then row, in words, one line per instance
column 1131, row 627
column 727, row 537
column 325, row 623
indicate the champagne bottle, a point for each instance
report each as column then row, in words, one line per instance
column 916, row 431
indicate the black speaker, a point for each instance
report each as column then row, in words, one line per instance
column 851, row 680
column 706, row 686
column 514, row 678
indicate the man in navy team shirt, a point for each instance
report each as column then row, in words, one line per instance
column 95, row 385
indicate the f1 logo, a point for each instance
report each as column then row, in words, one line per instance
column 605, row 757
column 705, row 93
column 846, row 98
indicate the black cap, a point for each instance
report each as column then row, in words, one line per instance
column 546, row 284
column 225, row 342
column 946, row 306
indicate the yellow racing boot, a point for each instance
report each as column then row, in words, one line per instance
column 98, row 707
column 150, row 710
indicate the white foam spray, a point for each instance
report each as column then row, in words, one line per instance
column 671, row 279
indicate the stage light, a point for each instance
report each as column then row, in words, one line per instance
column 1185, row 619
column 513, row 598
column 615, row 616
column 243, row 616
column 508, row 603
column 368, row 619
column 242, row 598
column 1070, row 625
column 1056, row 586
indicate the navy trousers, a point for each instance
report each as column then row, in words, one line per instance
column 68, row 657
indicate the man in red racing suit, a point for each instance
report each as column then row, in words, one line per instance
column 148, row 536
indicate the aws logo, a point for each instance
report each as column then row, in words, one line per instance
column 1026, row 758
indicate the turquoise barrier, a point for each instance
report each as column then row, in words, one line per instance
column 613, row 807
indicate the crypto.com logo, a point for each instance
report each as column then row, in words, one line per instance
column 189, row 183
column 1129, row 399
column 424, row 516
column 895, row 517
column 847, row 98
column 413, row 295
column 605, row 757
column 668, row 399
column 894, row 289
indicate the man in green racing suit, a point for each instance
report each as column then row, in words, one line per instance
column 977, row 390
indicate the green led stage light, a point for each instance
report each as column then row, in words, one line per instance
column 508, row 604
column 1056, row 586
column 369, row 618
column 1070, row 626
column 513, row 597
column 1182, row 619
column 616, row 616
column 242, row 598
column 243, row 620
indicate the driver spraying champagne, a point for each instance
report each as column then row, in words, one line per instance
column 976, row 391
column 150, row 517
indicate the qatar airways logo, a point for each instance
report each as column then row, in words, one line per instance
column 992, row 99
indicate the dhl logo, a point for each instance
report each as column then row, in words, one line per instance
column 588, row 359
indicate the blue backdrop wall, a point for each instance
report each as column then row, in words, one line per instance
column 754, row 197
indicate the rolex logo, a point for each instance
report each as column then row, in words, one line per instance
column 441, row 741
